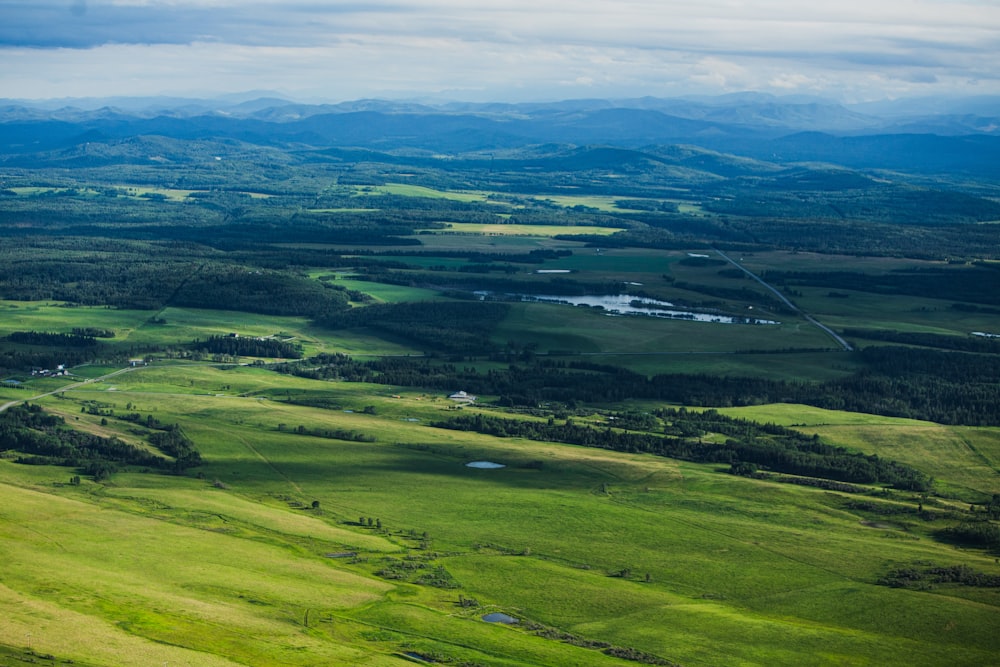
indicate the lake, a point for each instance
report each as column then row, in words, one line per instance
column 626, row 304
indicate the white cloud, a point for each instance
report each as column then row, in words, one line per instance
column 786, row 81
column 344, row 49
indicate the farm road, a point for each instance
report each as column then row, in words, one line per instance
column 82, row 383
column 69, row 387
column 812, row 320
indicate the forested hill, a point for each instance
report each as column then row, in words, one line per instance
column 765, row 129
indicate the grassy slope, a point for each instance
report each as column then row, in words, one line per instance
column 172, row 569
column 965, row 461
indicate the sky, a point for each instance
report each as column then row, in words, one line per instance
column 498, row 50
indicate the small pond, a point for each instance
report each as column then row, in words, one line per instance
column 500, row 617
column 487, row 465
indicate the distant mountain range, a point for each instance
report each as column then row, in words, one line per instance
column 921, row 136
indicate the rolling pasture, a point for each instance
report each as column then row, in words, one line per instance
column 262, row 558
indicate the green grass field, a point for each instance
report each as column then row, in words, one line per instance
column 231, row 564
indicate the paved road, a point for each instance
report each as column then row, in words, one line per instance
column 830, row 332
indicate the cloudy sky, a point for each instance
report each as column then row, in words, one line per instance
column 478, row 50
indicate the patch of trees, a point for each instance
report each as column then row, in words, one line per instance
column 621, row 652
column 745, row 469
column 978, row 533
column 330, row 434
column 992, row 507
column 775, row 448
column 257, row 291
column 133, row 417
column 635, row 655
column 64, row 213
column 975, row 344
column 49, row 339
column 173, row 442
column 446, row 326
column 923, row 578
column 249, row 346
column 417, row 570
column 42, row 438
column 976, row 283
column 647, row 205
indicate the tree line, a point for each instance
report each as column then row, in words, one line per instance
column 934, row 385
column 980, row 345
column 783, row 450
column 249, row 346
column 50, row 339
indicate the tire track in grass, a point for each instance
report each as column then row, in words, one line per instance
column 978, row 454
column 270, row 465
column 265, row 460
